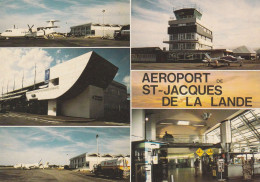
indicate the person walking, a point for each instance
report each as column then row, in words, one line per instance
column 196, row 165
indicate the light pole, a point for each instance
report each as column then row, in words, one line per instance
column 22, row 78
column 14, row 84
column 34, row 76
column 68, row 160
column 97, row 147
column 103, row 11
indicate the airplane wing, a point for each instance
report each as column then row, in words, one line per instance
column 43, row 28
column 225, row 61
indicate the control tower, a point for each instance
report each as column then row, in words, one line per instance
column 187, row 32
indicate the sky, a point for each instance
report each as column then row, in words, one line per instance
column 57, row 145
column 234, row 22
column 16, row 62
column 69, row 12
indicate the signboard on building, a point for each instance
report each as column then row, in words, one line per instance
column 99, row 98
column 47, row 76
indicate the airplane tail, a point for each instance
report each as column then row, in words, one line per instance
column 40, row 162
column 207, row 56
column 207, row 59
column 51, row 23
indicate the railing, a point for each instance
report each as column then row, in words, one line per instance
column 195, row 6
column 181, row 138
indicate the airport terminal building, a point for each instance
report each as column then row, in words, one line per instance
column 188, row 38
column 81, row 87
column 95, row 30
column 87, row 161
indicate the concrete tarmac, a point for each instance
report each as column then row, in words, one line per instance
column 63, row 42
column 25, row 119
column 248, row 65
column 50, row 175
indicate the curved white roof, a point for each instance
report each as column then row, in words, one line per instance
column 73, row 75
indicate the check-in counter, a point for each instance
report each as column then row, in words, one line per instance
column 235, row 170
column 257, row 168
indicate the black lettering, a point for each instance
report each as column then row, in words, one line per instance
column 145, row 78
column 146, row 89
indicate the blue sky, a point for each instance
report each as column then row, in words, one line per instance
column 19, row 61
column 52, row 144
column 69, row 12
column 233, row 22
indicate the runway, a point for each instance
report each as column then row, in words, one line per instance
column 248, row 65
column 46, row 175
column 26, row 119
column 63, row 42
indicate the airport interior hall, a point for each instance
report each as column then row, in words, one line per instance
column 195, row 145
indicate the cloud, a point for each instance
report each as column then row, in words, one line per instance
column 117, row 146
column 117, row 74
column 58, row 51
column 70, row 14
column 126, row 81
column 19, row 66
column 234, row 23
column 57, row 145
column 36, row 3
column 58, row 61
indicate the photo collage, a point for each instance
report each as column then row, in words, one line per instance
column 129, row 91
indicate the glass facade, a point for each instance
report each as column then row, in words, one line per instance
column 213, row 136
column 245, row 131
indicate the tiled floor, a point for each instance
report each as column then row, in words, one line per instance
column 188, row 175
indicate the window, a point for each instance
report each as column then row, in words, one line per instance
column 188, row 46
column 181, row 46
column 55, row 81
column 87, row 164
column 188, row 36
column 175, row 46
column 181, row 36
column 213, row 136
column 244, row 128
column 175, row 36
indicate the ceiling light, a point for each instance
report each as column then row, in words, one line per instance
column 183, row 123
column 165, row 123
column 146, row 119
column 198, row 125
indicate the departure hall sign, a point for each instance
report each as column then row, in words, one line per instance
column 215, row 89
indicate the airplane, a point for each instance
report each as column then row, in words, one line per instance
column 43, row 166
column 32, row 166
column 46, row 32
column 225, row 59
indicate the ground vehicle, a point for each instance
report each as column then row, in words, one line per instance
column 123, row 34
column 117, row 167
